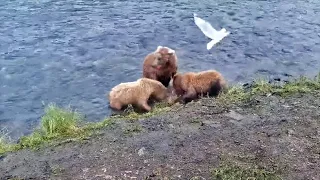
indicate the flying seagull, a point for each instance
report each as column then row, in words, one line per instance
column 209, row 31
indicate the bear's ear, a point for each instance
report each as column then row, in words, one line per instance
column 174, row 77
column 158, row 48
column 171, row 51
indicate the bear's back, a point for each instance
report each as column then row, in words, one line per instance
column 150, row 83
column 202, row 81
column 123, row 90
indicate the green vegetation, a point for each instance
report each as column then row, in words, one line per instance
column 61, row 124
column 234, row 94
column 56, row 170
column 64, row 123
column 133, row 115
column 133, row 128
column 4, row 146
column 261, row 87
column 195, row 121
column 56, row 123
column 300, row 85
column 59, row 121
column 232, row 172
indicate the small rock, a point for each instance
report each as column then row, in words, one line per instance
column 283, row 120
column 211, row 123
column 108, row 177
column 152, row 175
column 197, row 178
column 295, row 103
column 286, row 106
column 237, row 123
column 287, row 75
column 141, row 151
column 290, row 132
column 104, row 150
column 236, row 142
column 171, row 126
column 246, row 85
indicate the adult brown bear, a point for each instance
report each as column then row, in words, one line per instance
column 161, row 65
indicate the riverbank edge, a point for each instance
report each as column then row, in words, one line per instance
column 61, row 125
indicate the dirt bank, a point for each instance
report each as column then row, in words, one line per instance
column 274, row 133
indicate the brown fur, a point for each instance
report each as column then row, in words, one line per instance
column 189, row 86
column 160, row 65
column 137, row 93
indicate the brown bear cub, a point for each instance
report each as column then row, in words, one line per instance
column 160, row 65
column 189, row 86
column 137, row 93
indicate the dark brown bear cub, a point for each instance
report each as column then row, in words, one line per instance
column 160, row 65
column 189, row 86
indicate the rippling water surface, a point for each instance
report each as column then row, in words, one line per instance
column 73, row 52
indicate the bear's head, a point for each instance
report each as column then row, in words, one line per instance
column 166, row 53
column 160, row 92
column 157, row 61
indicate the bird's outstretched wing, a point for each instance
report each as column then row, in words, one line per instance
column 212, row 43
column 205, row 27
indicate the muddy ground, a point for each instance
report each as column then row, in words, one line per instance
column 278, row 134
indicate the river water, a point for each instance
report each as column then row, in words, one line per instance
column 74, row 52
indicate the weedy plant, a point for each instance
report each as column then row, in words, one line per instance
column 232, row 172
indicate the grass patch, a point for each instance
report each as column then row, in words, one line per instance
column 234, row 94
column 63, row 123
column 262, row 87
column 4, row 145
column 238, row 93
column 130, row 114
column 56, row 170
column 232, row 172
column 299, row 85
column 133, row 128
column 56, row 123
column 99, row 125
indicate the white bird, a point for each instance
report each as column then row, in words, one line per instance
column 209, row 31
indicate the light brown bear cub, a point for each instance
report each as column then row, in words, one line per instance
column 137, row 93
column 189, row 86
column 160, row 65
